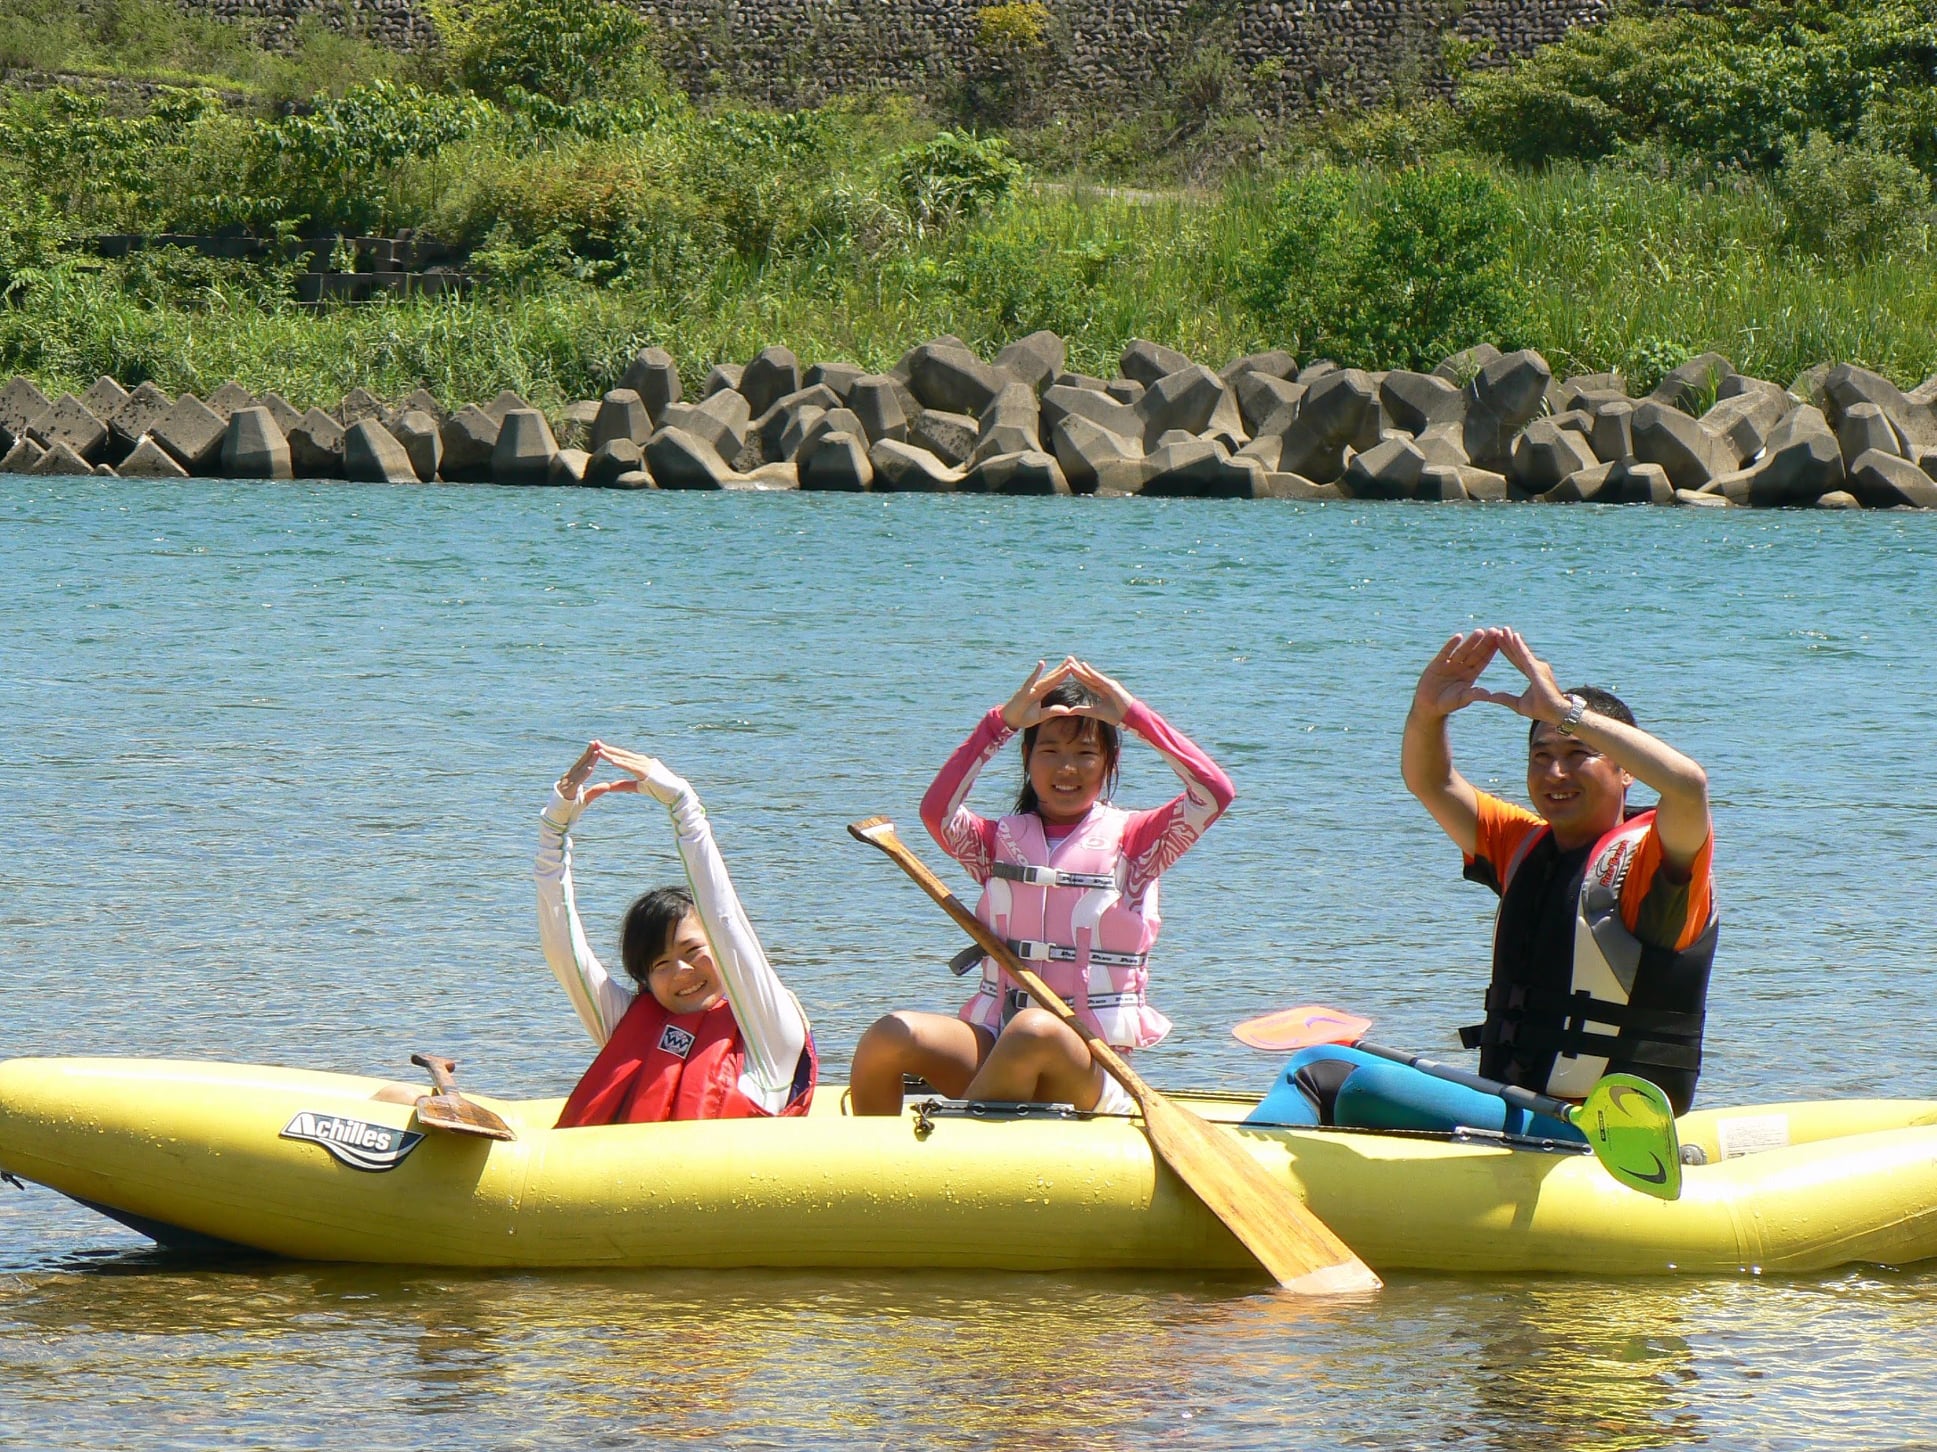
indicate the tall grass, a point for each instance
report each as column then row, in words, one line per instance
column 157, row 40
column 1624, row 270
column 1618, row 271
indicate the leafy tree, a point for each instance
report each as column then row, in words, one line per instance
column 1396, row 273
column 561, row 50
column 1732, row 84
column 336, row 165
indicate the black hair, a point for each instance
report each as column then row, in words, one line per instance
column 1601, row 702
column 649, row 926
column 1071, row 693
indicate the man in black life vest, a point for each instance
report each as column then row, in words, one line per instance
column 1607, row 925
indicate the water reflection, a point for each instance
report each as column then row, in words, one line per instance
column 802, row 1359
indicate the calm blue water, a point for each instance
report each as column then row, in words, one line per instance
column 274, row 755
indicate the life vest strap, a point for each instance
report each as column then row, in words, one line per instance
column 1032, row 951
column 1578, row 1009
column 1642, row 1043
column 1035, row 876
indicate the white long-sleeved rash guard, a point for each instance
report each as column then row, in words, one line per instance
column 770, row 1019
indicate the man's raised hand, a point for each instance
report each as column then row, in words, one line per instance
column 1449, row 681
column 1543, row 700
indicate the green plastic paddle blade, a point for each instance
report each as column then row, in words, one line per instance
column 1630, row 1126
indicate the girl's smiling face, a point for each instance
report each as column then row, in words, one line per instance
column 684, row 977
column 1067, row 766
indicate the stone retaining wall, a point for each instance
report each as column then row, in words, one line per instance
column 1289, row 56
column 1483, row 426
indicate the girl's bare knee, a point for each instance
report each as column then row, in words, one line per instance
column 1041, row 1029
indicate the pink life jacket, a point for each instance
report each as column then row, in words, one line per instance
column 1065, row 915
column 659, row 1066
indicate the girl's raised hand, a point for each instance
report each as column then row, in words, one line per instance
column 643, row 771
column 1113, row 701
column 575, row 774
column 572, row 787
column 1025, row 707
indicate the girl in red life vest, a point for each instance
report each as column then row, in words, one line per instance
column 1070, row 881
column 709, row 1032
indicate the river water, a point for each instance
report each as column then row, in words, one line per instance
column 274, row 756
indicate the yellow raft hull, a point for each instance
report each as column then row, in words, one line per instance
column 194, row 1153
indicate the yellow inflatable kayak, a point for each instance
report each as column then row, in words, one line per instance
column 334, row 1167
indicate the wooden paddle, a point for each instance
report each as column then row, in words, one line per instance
column 1628, row 1122
column 447, row 1109
column 1271, row 1222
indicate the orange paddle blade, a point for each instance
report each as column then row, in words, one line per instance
column 1301, row 1028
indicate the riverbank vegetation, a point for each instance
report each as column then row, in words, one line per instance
column 1754, row 180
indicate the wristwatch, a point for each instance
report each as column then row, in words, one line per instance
column 1566, row 724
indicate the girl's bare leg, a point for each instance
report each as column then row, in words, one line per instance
column 1039, row 1059
column 939, row 1047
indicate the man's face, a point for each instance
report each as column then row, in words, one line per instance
column 1580, row 792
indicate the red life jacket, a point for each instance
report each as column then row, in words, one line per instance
column 659, row 1066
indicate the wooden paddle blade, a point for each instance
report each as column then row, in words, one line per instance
column 1310, row 1024
column 1263, row 1212
column 449, row 1110
column 1630, row 1126
column 461, row 1116
column 871, row 830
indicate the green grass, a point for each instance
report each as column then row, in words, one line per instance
column 717, row 232
column 156, row 40
column 1619, row 271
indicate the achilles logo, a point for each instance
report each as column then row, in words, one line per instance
column 676, row 1041
column 357, row 1143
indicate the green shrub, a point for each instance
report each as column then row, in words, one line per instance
column 1020, row 281
column 30, row 245
column 673, row 201
column 1905, row 123
column 1388, row 136
column 954, row 176
column 1849, row 202
column 1394, row 273
column 590, row 212
column 338, row 167
column 561, row 50
column 1203, row 87
column 105, row 170
column 1730, row 84
column 1531, row 118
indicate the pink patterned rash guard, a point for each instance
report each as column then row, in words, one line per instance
column 1150, row 842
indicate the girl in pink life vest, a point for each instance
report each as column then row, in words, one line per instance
column 1070, row 881
column 709, row 1032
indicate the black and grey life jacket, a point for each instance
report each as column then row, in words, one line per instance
column 1575, row 994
